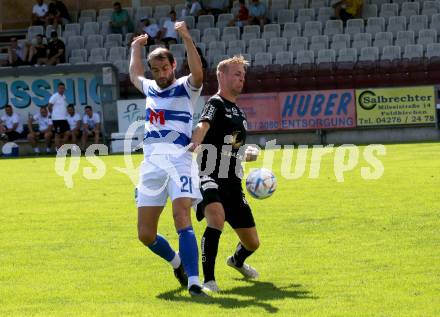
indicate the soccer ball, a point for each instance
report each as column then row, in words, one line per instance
column 261, row 183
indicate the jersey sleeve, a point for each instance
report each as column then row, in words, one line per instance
column 35, row 117
column 210, row 110
column 145, row 85
column 193, row 92
column 97, row 118
column 85, row 119
column 52, row 99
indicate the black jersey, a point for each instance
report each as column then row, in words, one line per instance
column 227, row 133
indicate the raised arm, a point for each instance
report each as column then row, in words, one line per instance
column 194, row 61
column 136, row 67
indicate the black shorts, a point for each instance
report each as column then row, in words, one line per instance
column 345, row 16
column 12, row 135
column 230, row 194
column 60, row 126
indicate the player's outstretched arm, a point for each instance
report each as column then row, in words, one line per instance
column 194, row 61
column 136, row 67
column 199, row 134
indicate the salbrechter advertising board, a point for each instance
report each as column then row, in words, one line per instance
column 395, row 106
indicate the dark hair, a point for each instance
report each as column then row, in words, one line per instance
column 172, row 12
column 8, row 106
column 160, row 53
column 116, row 4
column 61, row 84
column 88, row 107
column 70, row 106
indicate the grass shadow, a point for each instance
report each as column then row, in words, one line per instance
column 254, row 293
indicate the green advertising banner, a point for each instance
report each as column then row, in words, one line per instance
column 395, row 106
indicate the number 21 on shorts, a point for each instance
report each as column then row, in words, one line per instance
column 186, row 184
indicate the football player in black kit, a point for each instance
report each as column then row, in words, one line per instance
column 222, row 129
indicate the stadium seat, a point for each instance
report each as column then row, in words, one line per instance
column 333, row 27
column 231, row 51
column 178, row 50
column 379, row 2
column 426, row 37
column 195, row 35
column 206, row 19
column 291, row 30
column 33, row 31
column 354, row 26
column 247, row 37
column 79, row 52
column 361, row 40
column 144, row 11
column 114, row 38
column 417, row 23
column 189, row 21
column 99, row 51
column 122, row 66
column 90, row 13
column 369, row 11
column 217, row 58
column 433, row 50
column 218, row 46
column 409, row 8
column 285, row 16
column 383, row 39
column 347, row 55
column 391, row 53
column 117, row 53
column 90, row 28
column 161, row 11
column 413, row 51
column 93, row 41
column 76, row 59
column 388, row 10
column 375, row 25
column 305, row 57
column 369, row 54
column 202, row 47
column 325, row 14
column 256, row 46
column 298, row 4
column 104, row 24
column 237, row 43
column 211, row 34
column 275, row 28
column 268, row 35
column 305, row 15
column 262, row 59
column 430, row 8
column 224, row 19
column 105, row 12
column 95, row 59
column 404, row 38
column 312, row 28
column 83, row 20
column 340, row 41
column 278, row 42
column 326, row 56
column 252, row 29
column 316, row 4
column 284, row 57
column 299, row 43
column 318, row 42
column 232, row 30
column 396, row 24
column 73, row 27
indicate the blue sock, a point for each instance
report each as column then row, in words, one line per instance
column 188, row 251
column 162, row 248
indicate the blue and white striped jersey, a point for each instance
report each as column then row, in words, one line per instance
column 169, row 112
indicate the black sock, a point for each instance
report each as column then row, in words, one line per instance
column 240, row 255
column 209, row 246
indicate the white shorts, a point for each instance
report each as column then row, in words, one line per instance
column 163, row 176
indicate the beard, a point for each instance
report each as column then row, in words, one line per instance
column 165, row 81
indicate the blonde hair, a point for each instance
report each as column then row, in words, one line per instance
column 237, row 59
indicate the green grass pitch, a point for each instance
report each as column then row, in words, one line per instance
column 355, row 248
